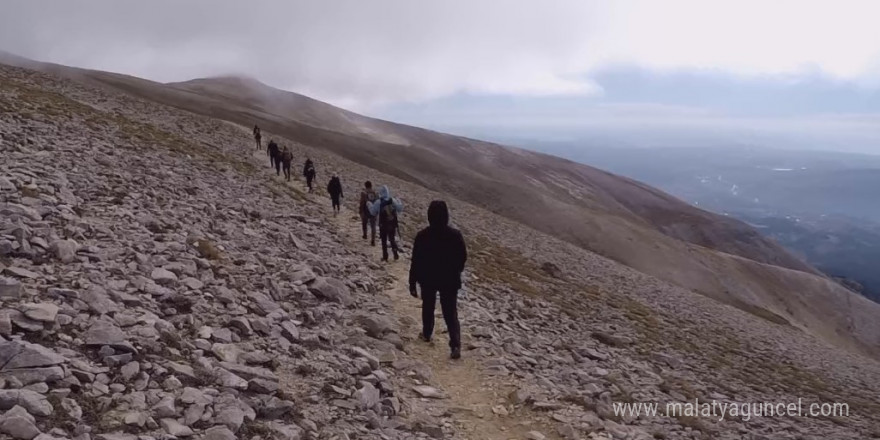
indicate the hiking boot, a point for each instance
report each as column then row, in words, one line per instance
column 365, row 236
column 456, row 353
column 372, row 242
column 396, row 257
column 424, row 338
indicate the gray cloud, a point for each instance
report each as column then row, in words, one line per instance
column 362, row 53
column 352, row 52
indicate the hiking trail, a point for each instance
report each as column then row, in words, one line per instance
column 477, row 401
column 469, row 393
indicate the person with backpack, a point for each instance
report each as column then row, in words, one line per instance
column 334, row 188
column 439, row 254
column 387, row 209
column 274, row 156
column 286, row 159
column 258, row 137
column 309, row 173
column 368, row 196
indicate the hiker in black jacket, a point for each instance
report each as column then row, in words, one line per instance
column 334, row 188
column 258, row 137
column 368, row 197
column 438, row 258
column 274, row 156
column 286, row 159
column 309, row 173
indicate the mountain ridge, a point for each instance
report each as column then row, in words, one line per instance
column 616, row 217
column 197, row 294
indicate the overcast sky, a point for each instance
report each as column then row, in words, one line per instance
column 395, row 59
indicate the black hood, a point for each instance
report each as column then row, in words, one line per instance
column 438, row 214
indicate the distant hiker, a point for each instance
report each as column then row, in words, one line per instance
column 274, row 156
column 438, row 258
column 368, row 196
column 334, row 188
column 258, row 137
column 286, row 159
column 387, row 208
column 309, row 173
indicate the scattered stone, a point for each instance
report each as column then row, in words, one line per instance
column 175, row 428
column 104, row 332
column 262, row 386
column 219, row 433
column 64, row 250
column 428, row 392
column 10, row 288
column 164, row 408
column 73, row 410
column 19, row 424
column 331, row 290
column 163, row 276
column 20, row 272
column 290, row 331
column 20, row 354
column 368, row 396
column 130, row 370
column 35, row 403
column 43, row 312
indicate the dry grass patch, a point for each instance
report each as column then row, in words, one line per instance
column 208, row 250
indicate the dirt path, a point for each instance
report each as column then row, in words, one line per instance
column 477, row 401
column 470, row 396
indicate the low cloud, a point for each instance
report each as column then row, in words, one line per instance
column 368, row 53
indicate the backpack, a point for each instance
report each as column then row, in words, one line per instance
column 286, row 156
column 387, row 213
column 369, row 197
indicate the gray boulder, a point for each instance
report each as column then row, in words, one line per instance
column 331, row 289
column 18, row 424
column 64, row 250
column 35, row 403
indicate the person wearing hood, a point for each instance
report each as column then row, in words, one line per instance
column 387, row 208
column 274, row 156
column 368, row 196
column 334, row 188
column 258, row 137
column 286, row 159
column 309, row 173
column 438, row 258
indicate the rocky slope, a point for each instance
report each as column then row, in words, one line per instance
column 159, row 281
column 616, row 217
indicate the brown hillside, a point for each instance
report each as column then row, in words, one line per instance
column 617, row 217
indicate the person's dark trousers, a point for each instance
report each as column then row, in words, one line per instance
column 309, row 183
column 365, row 219
column 386, row 235
column 272, row 161
column 449, row 305
column 335, row 200
column 286, row 167
column 277, row 167
column 259, row 144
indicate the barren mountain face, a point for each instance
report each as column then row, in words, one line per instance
column 613, row 216
column 158, row 280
